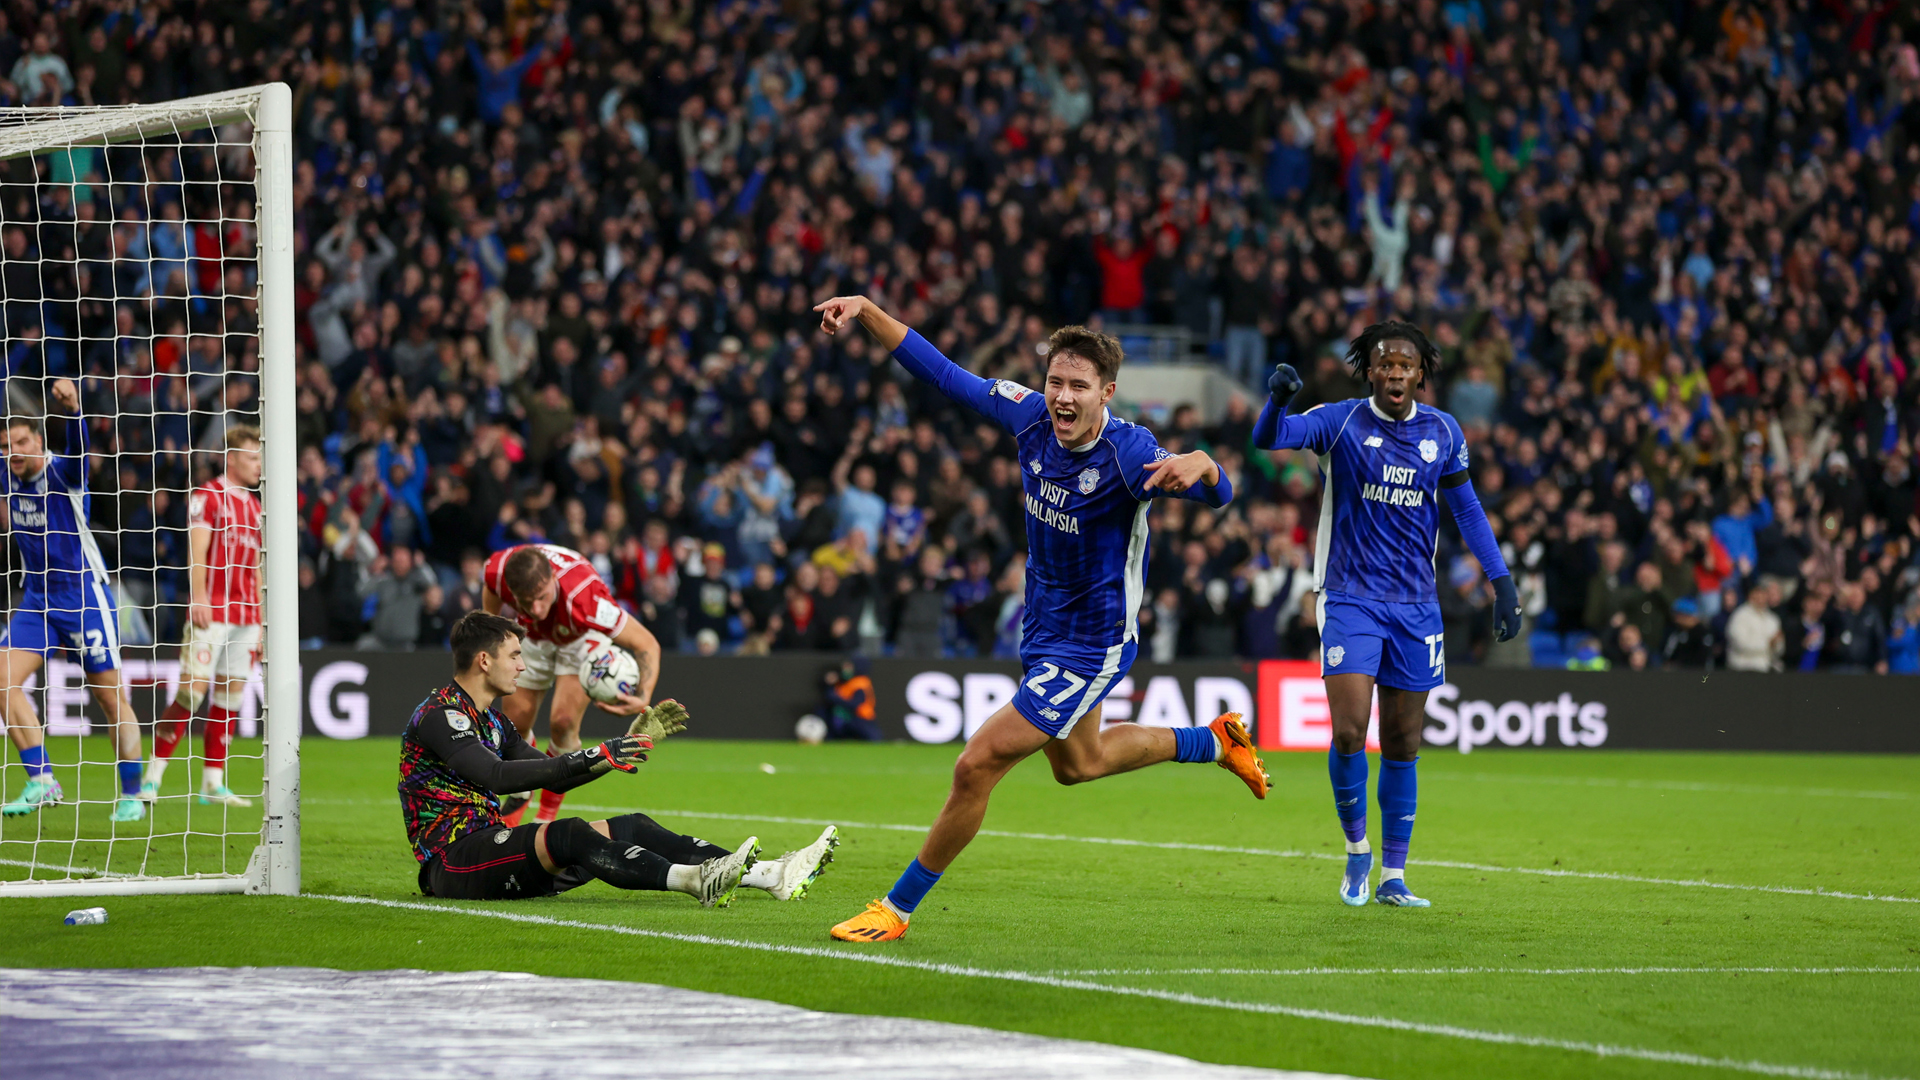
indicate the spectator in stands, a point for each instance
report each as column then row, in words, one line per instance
column 709, row 601
column 1646, row 607
column 1691, row 642
column 1856, row 638
column 396, row 588
column 920, row 606
column 1807, row 634
column 1755, row 639
column 1903, row 638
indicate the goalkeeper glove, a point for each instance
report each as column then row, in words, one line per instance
column 656, row 722
column 1283, row 384
column 623, row 752
column 1506, row 608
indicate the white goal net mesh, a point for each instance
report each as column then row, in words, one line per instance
column 131, row 329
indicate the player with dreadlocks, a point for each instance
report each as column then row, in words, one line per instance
column 1384, row 457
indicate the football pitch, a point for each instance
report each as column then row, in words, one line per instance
column 1600, row 914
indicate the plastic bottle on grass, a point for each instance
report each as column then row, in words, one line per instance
column 87, row 916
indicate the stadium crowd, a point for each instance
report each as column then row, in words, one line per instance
column 556, row 267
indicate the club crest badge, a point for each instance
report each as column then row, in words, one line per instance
column 1429, row 449
column 1335, row 655
column 1089, row 479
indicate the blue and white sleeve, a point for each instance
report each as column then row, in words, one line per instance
column 1135, row 447
column 70, row 463
column 1313, row 430
column 1011, row 405
column 1465, row 504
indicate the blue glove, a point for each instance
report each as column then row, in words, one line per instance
column 1506, row 609
column 1283, row 384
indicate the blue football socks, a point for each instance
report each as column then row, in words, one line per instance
column 1399, row 792
column 1349, row 772
column 35, row 759
column 130, row 778
column 1195, row 744
column 912, row 887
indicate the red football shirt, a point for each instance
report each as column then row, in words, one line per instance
column 581, row 603
column 232, row 513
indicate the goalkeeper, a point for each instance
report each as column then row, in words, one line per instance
column 459, row 752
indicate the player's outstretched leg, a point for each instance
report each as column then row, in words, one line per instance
column 1399, row 793
column 789, row 876
column 1005, row 740
column 624, row 864
column 1349, row 774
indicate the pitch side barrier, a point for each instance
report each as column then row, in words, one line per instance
column 349, row 694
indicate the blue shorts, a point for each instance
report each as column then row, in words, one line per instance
column 1053, row 695
column 91, row 632
column 1400, row 645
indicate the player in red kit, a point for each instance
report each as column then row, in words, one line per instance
column 557, row 597
column 223, row 640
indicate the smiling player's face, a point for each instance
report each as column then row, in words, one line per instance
column 1394, row 371
column 26, row 455
column 1075, row 398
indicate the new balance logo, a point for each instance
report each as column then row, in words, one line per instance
column 1346, row 803
column 1372, row 441
column 1409, row 817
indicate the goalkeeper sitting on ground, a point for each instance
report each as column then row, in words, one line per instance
column 459, row 753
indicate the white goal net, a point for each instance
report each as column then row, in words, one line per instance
column 148, row 651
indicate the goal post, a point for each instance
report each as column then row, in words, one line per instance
column 136, row 156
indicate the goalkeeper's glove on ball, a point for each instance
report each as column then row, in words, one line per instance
column 656, row 722
column 623, row 752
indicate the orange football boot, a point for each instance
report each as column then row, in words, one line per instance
column 1237, row 755
column 877, row 923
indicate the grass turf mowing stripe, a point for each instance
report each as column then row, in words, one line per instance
column 1108, row 972
column 1669, row 1057
column 1224, row 849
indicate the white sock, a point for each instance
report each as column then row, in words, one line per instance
column 904, row 917
column 1219, row 748
column 764, row 874
column 156, row 769
column 1358, row 847
column 212, row 776
column 1387, row 875
column 684, row 877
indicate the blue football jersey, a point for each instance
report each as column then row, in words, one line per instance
column 1086, row 515
column 48, row 515
column 1379, row 510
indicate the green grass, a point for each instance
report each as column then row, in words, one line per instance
column 1035, row 905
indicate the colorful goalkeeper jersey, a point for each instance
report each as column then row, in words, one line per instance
column 439, row 807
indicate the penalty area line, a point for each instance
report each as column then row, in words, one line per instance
column 1224, row 849
column 1763, row 1068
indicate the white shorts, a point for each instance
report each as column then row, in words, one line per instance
column 225, row 650
column 547, row 661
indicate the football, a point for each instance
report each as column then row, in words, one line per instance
column 608, row 671
column 810, row 730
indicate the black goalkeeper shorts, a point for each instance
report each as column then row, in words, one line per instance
column 496, row 863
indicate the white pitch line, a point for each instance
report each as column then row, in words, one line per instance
column 88, row 870
column 1803, row 1072
column 1677, row 785
column 1224, row 849
column 1110, row 972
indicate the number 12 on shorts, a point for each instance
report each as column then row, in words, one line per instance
column 1436, row 653
column 1039, row 682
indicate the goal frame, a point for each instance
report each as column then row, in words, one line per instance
column 274, row 867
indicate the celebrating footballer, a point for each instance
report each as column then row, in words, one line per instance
column 1385, row 458
column 1088, row 476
